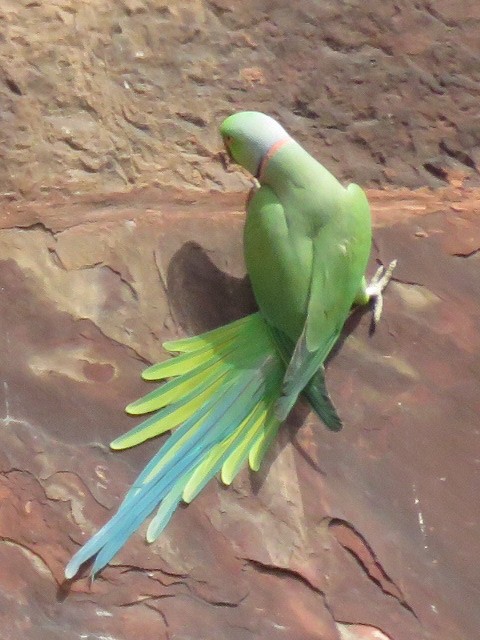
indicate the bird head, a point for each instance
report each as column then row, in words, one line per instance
column 248, row 136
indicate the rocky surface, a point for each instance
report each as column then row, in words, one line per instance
column 369, row 533
column 103, row 95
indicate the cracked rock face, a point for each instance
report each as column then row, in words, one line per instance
column 370, row 533
column 103, row 96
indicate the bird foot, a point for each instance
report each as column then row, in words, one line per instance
column 375, row 289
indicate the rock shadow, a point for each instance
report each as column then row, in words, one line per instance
column 203, row 297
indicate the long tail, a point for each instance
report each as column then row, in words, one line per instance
column 316, row 390
column 219, row 402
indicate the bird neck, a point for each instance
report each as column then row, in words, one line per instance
column 262, row 167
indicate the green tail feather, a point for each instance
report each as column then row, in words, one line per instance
column 317, row 395
column 215, row 336
column 219, row 403
column 316, row 390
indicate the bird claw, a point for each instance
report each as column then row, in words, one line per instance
column 375, row 289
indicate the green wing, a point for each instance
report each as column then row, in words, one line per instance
column 340, row 253
column 306, row 256
column 278, row 264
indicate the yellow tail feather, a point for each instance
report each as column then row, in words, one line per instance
column 168, row 422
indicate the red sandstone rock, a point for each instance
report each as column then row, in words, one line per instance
column 369, row 533
column 103, row 96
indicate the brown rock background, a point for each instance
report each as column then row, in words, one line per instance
column 103, row 95
column 370, row 533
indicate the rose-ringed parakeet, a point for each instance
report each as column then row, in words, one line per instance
column 307, row 242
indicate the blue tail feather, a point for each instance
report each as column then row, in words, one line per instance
column 220, row 417
column 244, row 367
column 132, row 513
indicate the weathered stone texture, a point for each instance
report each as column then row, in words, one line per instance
column 371, row 533
column 103, row 95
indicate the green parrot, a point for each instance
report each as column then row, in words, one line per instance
column 307, row 241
